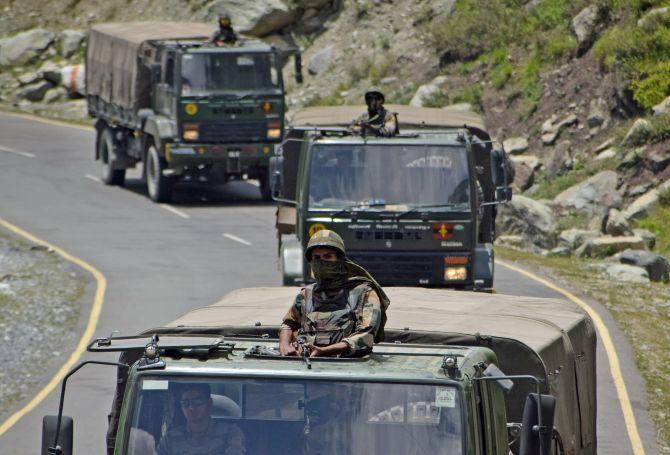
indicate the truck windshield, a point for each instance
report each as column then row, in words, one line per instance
column 208, row 73
column 263, row 417
column 391, row 177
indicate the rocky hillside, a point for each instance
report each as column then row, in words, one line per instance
column 578, row 90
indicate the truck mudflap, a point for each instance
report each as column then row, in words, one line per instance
column 483, row 267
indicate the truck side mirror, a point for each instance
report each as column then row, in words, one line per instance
column 155, row 73
column 536, row 436
column 297, row 60
column 276, row 180
column 501, row 176
column 49, row 424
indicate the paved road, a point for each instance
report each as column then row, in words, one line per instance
column 161, row 261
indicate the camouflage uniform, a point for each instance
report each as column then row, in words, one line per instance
column 383, row 123
column 221, row 438
column 352, row 316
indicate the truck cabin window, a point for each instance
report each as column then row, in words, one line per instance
column 206, row 73
column 249, row 416
column 347, row 176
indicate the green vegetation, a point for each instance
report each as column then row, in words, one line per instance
column 658, row 222
column 640, row 310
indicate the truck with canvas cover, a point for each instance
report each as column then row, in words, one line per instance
column 188, row 109
column 458, row 373
column 416, row 208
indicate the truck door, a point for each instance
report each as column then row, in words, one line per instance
column 165, row 91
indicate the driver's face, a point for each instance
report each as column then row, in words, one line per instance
column 374, row 102
column 195, row 405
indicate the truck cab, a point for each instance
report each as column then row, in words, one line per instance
column 413, row 209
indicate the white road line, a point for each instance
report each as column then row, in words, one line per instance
column 16, row 152
column 175, row 211
column 237, row 239
column 93, row 177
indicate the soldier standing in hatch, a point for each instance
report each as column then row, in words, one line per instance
column 343, row 313
column 377, row 120
column 225, row 34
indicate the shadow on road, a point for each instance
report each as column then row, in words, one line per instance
column 236, row 193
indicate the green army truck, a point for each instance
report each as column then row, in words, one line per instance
column 415, row 209
column 464, row 375
column 189, row 110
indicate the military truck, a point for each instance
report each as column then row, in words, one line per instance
column 417, row 208
column 188, row 110
column 435, row 385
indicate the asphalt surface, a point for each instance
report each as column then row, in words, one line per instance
column 161, row 261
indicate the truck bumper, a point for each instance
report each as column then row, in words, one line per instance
column 412, row 268
column 228, row 158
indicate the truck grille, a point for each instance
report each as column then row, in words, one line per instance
column 233, row 132
column 397, row 269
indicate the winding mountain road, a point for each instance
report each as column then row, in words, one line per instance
column 161, row 260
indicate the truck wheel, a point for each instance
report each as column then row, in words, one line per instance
column 110, row 175
column 158, row 185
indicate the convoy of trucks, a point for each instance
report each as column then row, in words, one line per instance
column 187, row 109
column 471, row 373
column 415, row 209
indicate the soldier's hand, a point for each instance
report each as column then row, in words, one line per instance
column 315, row 351
column 287, row 349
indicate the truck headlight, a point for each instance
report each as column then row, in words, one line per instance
column 190, row 132
column 274, row 130
column 458, row 273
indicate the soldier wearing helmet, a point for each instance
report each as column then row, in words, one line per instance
column 343, row 313
column 225, row 35
column 377, row 120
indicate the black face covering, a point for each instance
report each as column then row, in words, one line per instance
column 330, row 275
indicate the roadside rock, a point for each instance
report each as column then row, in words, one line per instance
column 658, row 160
column 426, row 91
column 51, row 72
column 531, row 161
column 662, row 108
column 551, row 129
column 254, row 18
column 515, row 145
column 617, row 224
column 29, row 78
column 584, row 25
column 24, row 47
column 642, row 206
column 646, row 235
column 70, row 40
column 560, row 159
column 595, row 195
column 55, row 94
column 574, row 238
column 656, row 266
column 320, row 60
column 524, row 176
column 604, row 145
column 607, row 245
column 34, row 92
column 651, row 19
column 637, row 134
column 511, row 241
column 605, row 155
column 529, row 219
column 628, row 273
column 598, row 114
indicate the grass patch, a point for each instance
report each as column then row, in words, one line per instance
column 572, row 221
column 549, row 188
column 659, row 223
column 642, row 311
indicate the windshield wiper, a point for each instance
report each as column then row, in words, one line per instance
column 418, row 208
column 369, row 203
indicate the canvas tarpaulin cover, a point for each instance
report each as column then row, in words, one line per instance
column 113, row 72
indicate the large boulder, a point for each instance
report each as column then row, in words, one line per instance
column 637, row 134
column 529, row 219
column 25, row 47
column 646, row 235
column 574, row 238
column 320, row 60
column 656, row 266
column 559, row 159
column 34, row 92
column 617, row 224
column 524, row 176
column 585, row 25
column 427, row 91
column 552, row 127
column 70, row 41
column 662, row 108
column 607, row 245
column 515, row 145
column 599, row 115
column 595, row 195
column 254, row 18
column 645, row 204
column 628, row 273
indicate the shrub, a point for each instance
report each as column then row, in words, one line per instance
column 652, row 84
column 468, row 94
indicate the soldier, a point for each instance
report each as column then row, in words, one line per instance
column 377, row 120
column 225, row 34
column 343, row 312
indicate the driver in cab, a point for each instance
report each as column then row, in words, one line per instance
column 343, row 313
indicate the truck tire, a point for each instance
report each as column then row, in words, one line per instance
column 110, row 176
column 159, row 186
column 265, row 187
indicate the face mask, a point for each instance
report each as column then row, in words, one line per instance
column 329, row 275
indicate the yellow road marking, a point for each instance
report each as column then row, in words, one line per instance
column 612, row 357
column 83, row 341
column 37, row 118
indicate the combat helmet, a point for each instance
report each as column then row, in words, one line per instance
column 224, row 20
column 375, row 91
column 324, row 239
